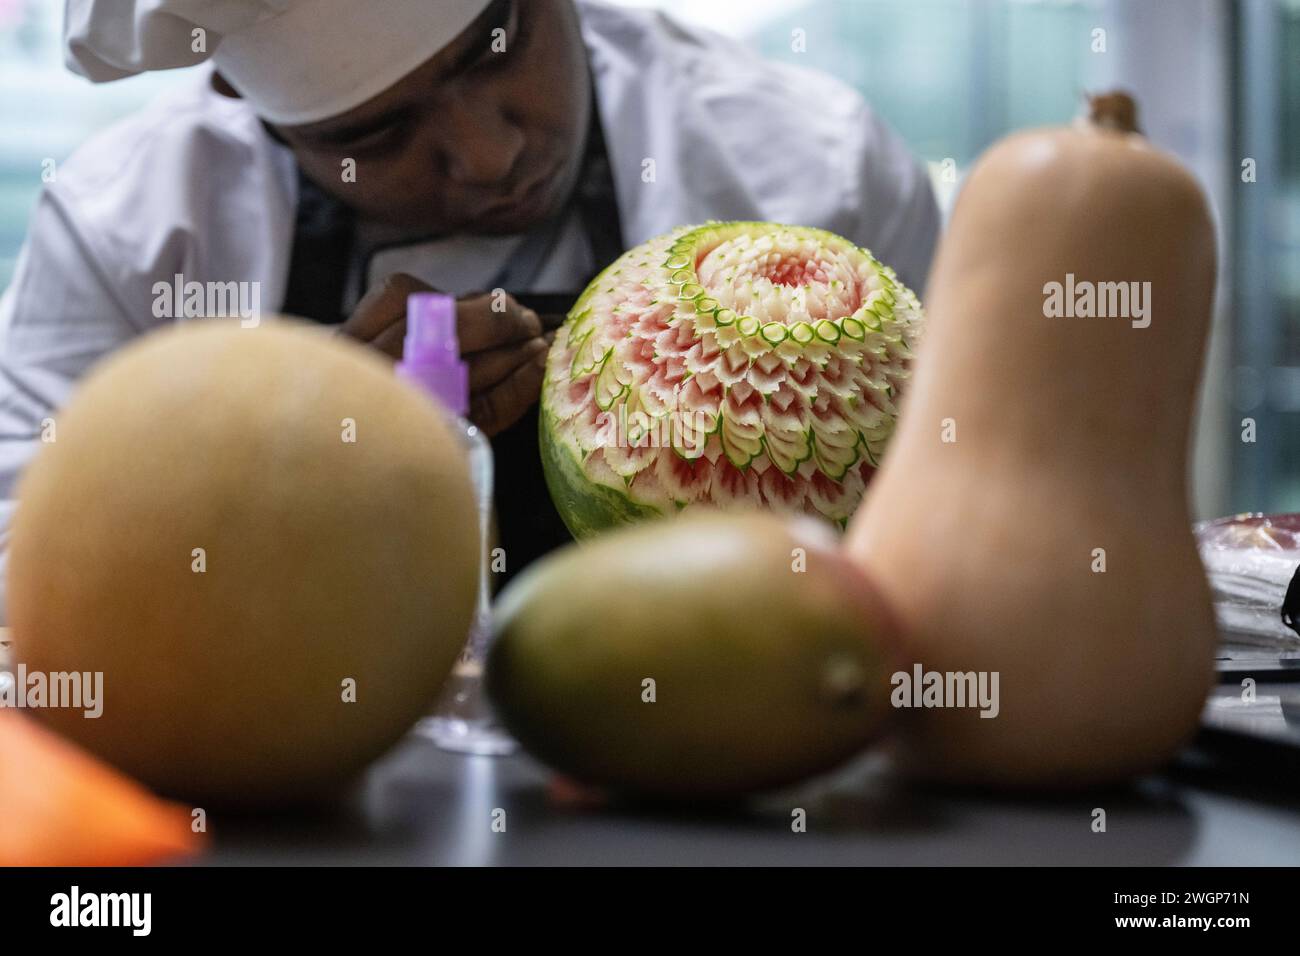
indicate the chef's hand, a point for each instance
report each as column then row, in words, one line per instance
column 505, row 351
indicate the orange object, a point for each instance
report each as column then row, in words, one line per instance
column 59, row 806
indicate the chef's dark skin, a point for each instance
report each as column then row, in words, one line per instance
column 485, row 138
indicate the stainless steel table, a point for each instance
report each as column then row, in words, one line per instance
column 420, row 805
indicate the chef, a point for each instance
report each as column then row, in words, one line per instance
column 332, row 156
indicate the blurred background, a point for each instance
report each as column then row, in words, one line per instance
column 1218, row 83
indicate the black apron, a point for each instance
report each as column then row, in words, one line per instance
column 324, row 233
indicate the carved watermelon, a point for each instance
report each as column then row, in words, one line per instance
column 737, row 365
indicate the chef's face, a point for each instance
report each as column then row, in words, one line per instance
column 486, row 137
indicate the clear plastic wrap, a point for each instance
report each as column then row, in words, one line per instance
column 1250, row 560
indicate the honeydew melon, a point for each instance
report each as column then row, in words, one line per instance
column 270, row 603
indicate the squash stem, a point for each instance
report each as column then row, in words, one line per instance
column 1116, row 110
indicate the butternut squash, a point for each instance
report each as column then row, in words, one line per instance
column 1031, row 516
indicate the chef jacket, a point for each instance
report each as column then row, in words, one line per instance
column 689, row 126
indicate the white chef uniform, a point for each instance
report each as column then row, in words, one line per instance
column 193, row 185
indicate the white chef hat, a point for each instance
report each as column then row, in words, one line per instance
column 295, row 61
